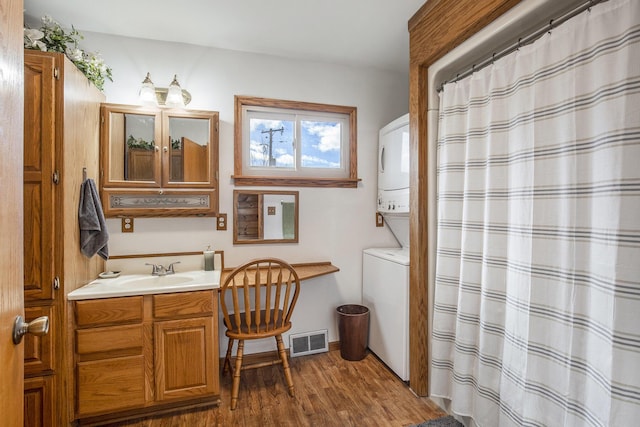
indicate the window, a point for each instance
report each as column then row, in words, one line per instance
column 294, row 143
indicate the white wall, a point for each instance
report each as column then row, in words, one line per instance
column 335, row 224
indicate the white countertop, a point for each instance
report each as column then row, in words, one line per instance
column 144, row 284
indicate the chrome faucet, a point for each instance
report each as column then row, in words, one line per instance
column 169, row 270
column 161, row 270
column 157, row 269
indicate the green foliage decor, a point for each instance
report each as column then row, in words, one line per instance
column 51, row 37
column 139, row 143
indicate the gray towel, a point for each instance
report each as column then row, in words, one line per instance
column 93, row 227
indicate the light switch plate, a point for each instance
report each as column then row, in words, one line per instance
column 221, row 222
column 127, row 225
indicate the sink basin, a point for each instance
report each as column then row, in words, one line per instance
column 145, row 281
column 142, row 284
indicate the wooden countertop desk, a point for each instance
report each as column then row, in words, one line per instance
column 305, row 270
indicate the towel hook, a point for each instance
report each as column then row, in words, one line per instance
column 84, row 174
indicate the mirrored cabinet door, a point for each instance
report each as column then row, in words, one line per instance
column 132, row 148
column 188, row 153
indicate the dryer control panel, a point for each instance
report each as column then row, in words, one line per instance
column 393, row 201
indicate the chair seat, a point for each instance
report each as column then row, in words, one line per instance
column 264, row 329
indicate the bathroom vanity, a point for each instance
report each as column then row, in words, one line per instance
column 145, row 344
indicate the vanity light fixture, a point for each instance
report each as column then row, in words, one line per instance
column 173, row 96
column 147, row 93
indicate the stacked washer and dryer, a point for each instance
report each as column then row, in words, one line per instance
column 385, row 271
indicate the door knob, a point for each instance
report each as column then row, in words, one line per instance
column 39, row 326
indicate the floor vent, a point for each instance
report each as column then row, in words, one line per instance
column 308, row 343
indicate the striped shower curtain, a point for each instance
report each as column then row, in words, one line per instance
column 537, row 298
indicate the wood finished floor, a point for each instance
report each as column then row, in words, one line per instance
column 330, row 391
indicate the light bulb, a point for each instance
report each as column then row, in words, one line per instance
column 147, row 95
column 174, row 94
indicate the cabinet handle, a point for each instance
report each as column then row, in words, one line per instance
column 157, row 148
column 165, row 149
column 56, row 283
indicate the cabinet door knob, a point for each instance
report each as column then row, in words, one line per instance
column 39, row 326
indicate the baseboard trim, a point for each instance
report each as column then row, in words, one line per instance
column 250, row 359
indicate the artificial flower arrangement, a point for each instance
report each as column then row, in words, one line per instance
column 51, row 37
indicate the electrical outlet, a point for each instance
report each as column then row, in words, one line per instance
column 127, row 225
column 379, row 219
column 221, row 222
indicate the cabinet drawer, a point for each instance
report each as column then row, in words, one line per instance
column 110, row 339
column 109, row 311
column 112, row 384
column 183, row 304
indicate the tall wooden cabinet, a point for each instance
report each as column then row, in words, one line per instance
column 61, row 138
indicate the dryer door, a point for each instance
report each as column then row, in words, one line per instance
column 393, row 157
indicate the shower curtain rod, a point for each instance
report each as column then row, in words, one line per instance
column 522, row 41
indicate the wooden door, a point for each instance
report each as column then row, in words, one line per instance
column 11, row 262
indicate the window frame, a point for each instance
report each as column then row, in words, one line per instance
column 242, row 176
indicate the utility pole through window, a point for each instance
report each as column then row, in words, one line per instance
column 272, row 160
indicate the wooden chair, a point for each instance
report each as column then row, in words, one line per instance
column 264, row 293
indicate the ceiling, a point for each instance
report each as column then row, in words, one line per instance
column 370, row 33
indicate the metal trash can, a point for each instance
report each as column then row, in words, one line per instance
column 353, row 328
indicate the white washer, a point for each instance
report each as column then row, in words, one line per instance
column 385, row 290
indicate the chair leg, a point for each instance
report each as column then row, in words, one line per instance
column 235, row 388
column 227, row 360
column 285, row 364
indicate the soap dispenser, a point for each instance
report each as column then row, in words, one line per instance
column 208, row 259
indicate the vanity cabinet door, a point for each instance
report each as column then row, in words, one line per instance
column 185, row 344
column 185, row 363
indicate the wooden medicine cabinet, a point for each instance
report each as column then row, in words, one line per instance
column 265, row 216
column 158, row 162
